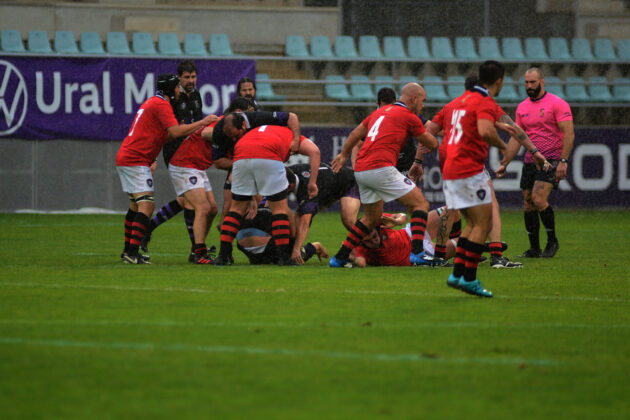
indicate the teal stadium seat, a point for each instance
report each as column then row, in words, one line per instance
column 581, row 49
column 598, row 89
column 417, row 48
column 441, row 48
column 344, row 47
column 603, row 50
column 337, row 91
column 408, row 79
column 320, row 47
column 576, row 90
column 535, row 49
column 38, row 42
column 220, row 46
column 522, row 92
column 623, row 50
column 168, row 44
column 142, row 43
column 65, row 43
column 559, row 49
column 369, row 47
column 295, row 46
column 508, row 93
column 384, row 81
column 435, row 91
column 455, row 86
column 264, row 91
column 116, row 43
column 512, row 48
column 621, row 89
column 91, row 43
column 465, row 48
column 361, row 91
column 194, row 45
column 11, row 41
column 553, row 85
column 393, row 47
column 489, row 48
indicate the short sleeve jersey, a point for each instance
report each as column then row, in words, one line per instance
column 466, row 151
column 539, row 118
column 195, row 151
column 147, row 134
column 331, row 187
column 389, row 128
column 394, row 250
column 265, row 142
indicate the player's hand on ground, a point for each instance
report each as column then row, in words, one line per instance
column 296, row 256
column 320, row 251
column 338, row 162
column 312, row 190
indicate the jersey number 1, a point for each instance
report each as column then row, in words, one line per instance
column 456, row 121
column 374, row 129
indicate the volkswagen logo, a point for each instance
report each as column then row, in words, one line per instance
column 13, row 98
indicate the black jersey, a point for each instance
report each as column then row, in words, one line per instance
column 187, row 110
column 332, row 187
column 223, row 146
column 408, row 152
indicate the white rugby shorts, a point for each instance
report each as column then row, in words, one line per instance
column 186, row 179
column 385, row 184
column 135, row 179
column 467, row 192
column 258, row 176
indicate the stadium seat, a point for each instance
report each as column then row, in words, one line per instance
column 441, row 48
column 142, row 43
column 91, row 43
column 489, row 48
column 417, row 48
column 455, row 86
column 465, row 48
column 116, row 43
column 559, row 49
column 509, row 93
column 344, row 47
column 408, row 79
column 535, row 49
column 520, row 87
column 362, row 92
column 369, row 47
column 384, row 81
column 295, row 46
column 435, row 92
column 38, row 42
column 168, row 44
column 320, row 47
column 599, row 92
column 512, row 48
column 194, row 45
column 11, row 41
column 603, row 50
column 337, row 91
column 623, row 50
column 65, row 43
column 220, row 45
column 393, row 47
column 581, row 49
column 553, row 85
column 575, row 90
column 621, row 89
column 264, row 91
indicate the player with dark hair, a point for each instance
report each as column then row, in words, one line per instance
column 246, row 88
column 549, row 122
column 258, row 168
column 469, row 128
column 153, row 125
column 385, row 131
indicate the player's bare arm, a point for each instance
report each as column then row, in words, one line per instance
column 303, row 224
column 521, row 136
column 183, row 130
column 489, row 134
column 355, row 136
column 308, row 148
column 567, row 147
column 294, row 124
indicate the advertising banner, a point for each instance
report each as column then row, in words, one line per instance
column 96, row 98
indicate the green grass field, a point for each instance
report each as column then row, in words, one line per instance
column 84, row 336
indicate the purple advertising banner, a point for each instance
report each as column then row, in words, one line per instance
column 598, row 174
column 96, row 98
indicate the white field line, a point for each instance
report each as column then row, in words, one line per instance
column 282, row 290
column 179, row 347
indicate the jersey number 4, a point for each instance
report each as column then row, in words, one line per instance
column 374, row 129
column 456, row 131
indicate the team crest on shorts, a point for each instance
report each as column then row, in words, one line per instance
column 408, row 181
column 193, row 180
column 150, row 182
column 481, row 194
column 306, row 174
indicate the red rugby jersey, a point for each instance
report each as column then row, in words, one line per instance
column 194, row 152
column 265, row 142
column 394, row 250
